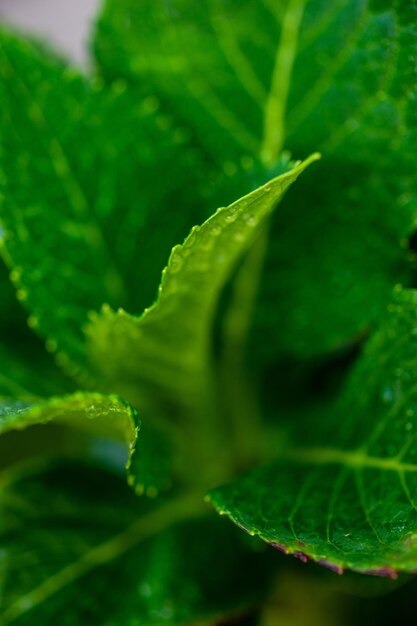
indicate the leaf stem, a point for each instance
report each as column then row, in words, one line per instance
column 276, row 104
column 241, row 399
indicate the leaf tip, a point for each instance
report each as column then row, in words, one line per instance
column 316, row 156
column 300, row 166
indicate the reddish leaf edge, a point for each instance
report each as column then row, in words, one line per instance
column 337, row 567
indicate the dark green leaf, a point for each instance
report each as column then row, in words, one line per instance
column 152, row 466
column 78, row 547
column 84, row 219
column 343, row 489
column 209, row 62
column 26, row 370
column 250, row 78
column 352, row 97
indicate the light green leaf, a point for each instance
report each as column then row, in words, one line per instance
column 342, row 491
column 250, row 78
column 83, row 219
column 77, row 546
column 84, row 416
column 167, row 353
column 149, row 463
column 73, row 409
column 171, row 341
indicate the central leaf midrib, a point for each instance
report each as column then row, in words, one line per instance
column 354, row 459
column 276, row 104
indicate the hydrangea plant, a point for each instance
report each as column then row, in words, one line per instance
column 258, row 360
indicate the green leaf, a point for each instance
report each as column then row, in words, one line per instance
column 342, row 489
column 78, row 546
column 255, row 77
column 152, row 466
column 190, row 56
column 353, row 98
column 82, row 216
column 145, row 349
column 88, row 425
column 75, row 409
column 26, row 370
column 270, row 70
column 166, row 355
column 149, row 463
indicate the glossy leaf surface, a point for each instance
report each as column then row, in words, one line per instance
column 252, row 78
column 343, row 489
column 83, row 223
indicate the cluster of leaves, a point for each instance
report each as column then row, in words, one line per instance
column 281, row 344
